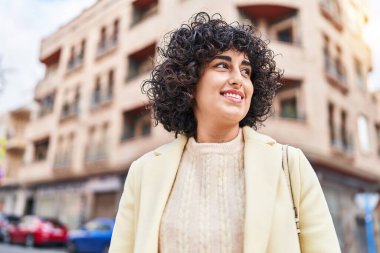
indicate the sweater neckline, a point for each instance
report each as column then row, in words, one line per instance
column 233, row 146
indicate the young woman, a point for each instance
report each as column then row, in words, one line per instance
column 220, row 185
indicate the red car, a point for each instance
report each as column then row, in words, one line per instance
column 35, row 231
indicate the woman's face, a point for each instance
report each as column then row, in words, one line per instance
column 224, row 91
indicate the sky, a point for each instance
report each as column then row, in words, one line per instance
column 23, row 23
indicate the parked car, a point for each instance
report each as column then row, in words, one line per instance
column 93, row 237
column 35, row 231
column 7, row 222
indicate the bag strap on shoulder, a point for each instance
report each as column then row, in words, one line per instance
column 285, row 167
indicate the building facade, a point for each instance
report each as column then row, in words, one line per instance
column 91, row 123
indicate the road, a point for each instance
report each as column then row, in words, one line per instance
column 6, row 248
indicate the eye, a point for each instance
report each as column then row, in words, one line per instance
column 246, row 72
column 221, row 65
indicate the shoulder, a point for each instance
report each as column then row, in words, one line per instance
column 166, row 151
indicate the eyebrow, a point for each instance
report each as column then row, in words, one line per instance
column 228, row 58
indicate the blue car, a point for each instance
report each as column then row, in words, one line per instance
column 93, row 237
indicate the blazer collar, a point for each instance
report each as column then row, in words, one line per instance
column 262, row 166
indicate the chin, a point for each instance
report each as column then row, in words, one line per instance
column 233, row 119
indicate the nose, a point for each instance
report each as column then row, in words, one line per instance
column 235, row 78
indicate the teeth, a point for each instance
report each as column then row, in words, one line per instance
column 236, row 96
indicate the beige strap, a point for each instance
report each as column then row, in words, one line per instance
column 285, row 167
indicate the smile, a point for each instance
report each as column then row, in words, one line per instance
column 233, row 95
column 236, row 96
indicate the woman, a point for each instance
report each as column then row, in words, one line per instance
column 219, row 186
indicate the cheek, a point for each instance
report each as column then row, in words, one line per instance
column 249, row 91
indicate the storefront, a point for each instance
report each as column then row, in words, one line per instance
column 340, row 192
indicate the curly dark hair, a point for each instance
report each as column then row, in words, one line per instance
column 186, row 50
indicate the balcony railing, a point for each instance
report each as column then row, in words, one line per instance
column 72, row 110
column 331, row 14
column 335, row 76
column 96, row 153
column 62, row 161
column 107, row 45
column 101, row 98
column 344, row 146
column 75, row 62
column 16, row 144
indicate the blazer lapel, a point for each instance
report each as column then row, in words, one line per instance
column 262, row 163
column 157, row 181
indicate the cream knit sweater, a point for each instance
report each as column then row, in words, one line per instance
column 205, row 210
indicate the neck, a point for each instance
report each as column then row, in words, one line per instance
column 216, row 134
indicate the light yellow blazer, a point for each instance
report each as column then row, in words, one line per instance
column 269, row 217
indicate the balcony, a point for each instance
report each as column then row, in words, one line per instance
column 140, row 62
column 47, row 85
column 336, row 76
column 69, row 111
column 62, row 161
column 16, row 144
column 101, row 99
column 142, row 10
column 75, row 63
column 342, row 144
column 331, row 11
column 96, row 153
column 106, row 46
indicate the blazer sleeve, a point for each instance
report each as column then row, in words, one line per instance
column 317, row 229
column 123, row 235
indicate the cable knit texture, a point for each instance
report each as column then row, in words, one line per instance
column 205, row 210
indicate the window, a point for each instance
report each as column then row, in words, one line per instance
column 70, row 106
column 102, row 147
column 97, row 143
column 108, row 38
column 335, row 71
column 343, row 130
column 41, row 149
column 72, row 58
column 142, row 9
column 115, row 35
column 65, row 110
column 277, row 22
column 103, row 38
column 141, row 61
column 331, row 123
column 64, row 152
column 288, row 100
column 136, row 123
column 46, row 105
column 289, row 108
column 285, row 35
column 76, row 101
column 363, row 133
column 96, row 96
column 82, row 50
column 76, row 56
column 326, row 54
column 284, row 28
column 339, row 68
column 103, row 91
column 377, row 127
column 331, row 10
column 359, row 76
column 110, row 84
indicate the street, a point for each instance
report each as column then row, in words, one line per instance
column 6, row 248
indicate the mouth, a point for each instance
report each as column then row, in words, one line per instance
column 233, row 95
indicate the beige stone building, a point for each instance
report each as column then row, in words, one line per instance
column 91, row 123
